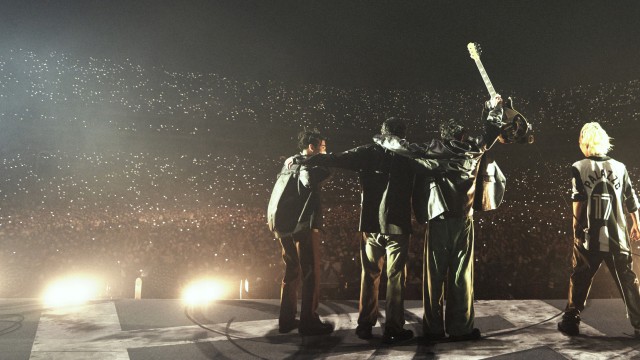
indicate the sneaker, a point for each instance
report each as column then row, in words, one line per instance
column 316, row 328
column 364, row 332
column 393, row 337
column 284, row 328
column 473, row 335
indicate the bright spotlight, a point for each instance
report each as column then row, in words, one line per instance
column 71, row 291
column 202, row 292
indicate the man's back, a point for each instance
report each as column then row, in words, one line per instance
column 458, row 162
column 604, row 184
column 386, row 179
column 295, row 200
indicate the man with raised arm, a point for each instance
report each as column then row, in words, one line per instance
column 448, row 256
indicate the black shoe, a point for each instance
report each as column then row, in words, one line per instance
column 364, row 332
column 430, row 338
column 572, row 328
column 284, row 328
column 393, row 337
column 570, row 323
column 316, row 328
column 473, row 335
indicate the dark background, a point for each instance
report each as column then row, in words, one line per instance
column 382, row 44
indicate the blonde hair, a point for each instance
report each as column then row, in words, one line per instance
column 594, row 140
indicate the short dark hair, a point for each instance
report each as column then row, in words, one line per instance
column 452, row 130
column 306, row 137
column 394, row 126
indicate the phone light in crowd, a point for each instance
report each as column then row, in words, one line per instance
column 71, row 291
column 202, row 292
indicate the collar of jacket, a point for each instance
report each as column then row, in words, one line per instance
column 598, row 158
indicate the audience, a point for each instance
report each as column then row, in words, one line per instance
column 171, row 216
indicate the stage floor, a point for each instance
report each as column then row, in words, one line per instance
column 247, row 329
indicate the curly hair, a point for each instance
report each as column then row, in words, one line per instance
column 594, row 140
column 394, row 126
column 451, row 130
column 306, row 137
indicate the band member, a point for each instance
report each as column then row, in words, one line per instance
column 448, row 255
column 385, row 222
column 601, row 193
column 295, row 217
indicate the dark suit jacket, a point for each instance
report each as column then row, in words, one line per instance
column 295, row 203
column 387, row 182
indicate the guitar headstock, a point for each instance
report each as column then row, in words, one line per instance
column 474, row 50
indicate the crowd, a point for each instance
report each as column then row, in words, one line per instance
column 170, row 216
column 194, row 103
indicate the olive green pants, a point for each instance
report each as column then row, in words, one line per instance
column 373, row 249
column 448, row 259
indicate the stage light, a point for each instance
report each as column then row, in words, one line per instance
column 244, row 288
column 203, row 292
column 73, row 290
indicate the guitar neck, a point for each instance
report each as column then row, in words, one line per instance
column 485, row 78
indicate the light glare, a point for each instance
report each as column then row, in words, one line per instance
column 71, row 291
column 202, row 292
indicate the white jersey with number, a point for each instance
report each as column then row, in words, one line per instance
column 605, row 186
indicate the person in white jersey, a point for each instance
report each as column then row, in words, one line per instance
column 602, row 197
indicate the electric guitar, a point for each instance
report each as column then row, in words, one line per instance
column 516, row 129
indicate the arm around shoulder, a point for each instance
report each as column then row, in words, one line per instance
column 350, row 159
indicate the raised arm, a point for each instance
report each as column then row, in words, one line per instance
column 493, row 123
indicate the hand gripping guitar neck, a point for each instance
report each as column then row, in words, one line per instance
column 516, row 129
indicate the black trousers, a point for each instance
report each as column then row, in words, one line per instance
column 585, row 265
column 301, row 255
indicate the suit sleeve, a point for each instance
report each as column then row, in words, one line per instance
column 354, row 159
column 318, row 174
column 421, row 159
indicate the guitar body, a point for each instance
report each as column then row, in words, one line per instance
column 516, row 129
